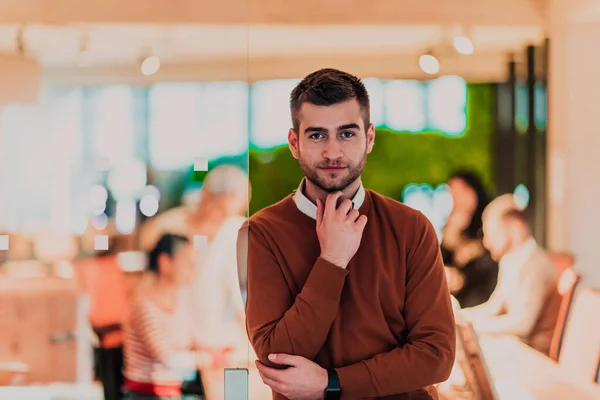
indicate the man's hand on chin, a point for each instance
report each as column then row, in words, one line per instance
column 303, row 380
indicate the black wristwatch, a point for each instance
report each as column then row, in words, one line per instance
column 333, row 391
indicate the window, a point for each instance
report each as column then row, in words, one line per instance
column 223, row 118
column 435, row 204
column 111, row 123
column 40, row 145
column 375, row 89
column 174, row 122
column 405, row 106
column 446, row 104
column 190, row 120
column 270, row 107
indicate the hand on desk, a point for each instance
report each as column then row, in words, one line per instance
column 303, row 380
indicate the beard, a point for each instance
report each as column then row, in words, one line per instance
column 337, row 181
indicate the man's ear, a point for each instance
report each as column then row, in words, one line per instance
column 293, row 142
column 370, row 138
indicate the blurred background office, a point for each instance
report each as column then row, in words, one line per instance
column 112, row 119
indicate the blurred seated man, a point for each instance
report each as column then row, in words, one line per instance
column 525, row 302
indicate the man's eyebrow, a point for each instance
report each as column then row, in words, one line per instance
column 348, row 126
column 340, row 128
column 315, row 129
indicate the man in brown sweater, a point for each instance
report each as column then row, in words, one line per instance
column 346, row 292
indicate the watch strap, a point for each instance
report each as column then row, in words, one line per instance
column 333, row 391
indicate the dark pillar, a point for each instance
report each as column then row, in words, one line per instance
column 505, row 145
column 535, row 141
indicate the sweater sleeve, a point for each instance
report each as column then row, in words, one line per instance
column 278, row 322
column 428, row 356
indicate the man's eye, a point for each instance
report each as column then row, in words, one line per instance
column 347, row 134
column 317, row 136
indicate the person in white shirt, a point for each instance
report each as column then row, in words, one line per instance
column 526, row 301
column 216, row 298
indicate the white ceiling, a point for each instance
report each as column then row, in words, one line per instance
column 111, row 45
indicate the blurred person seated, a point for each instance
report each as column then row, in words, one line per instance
column 526, row 301
column 215, row 295
column 217, row 218
column 216, row 291
column 218, row 304
column 217, row 298
column 471, row 272
column 161, row 350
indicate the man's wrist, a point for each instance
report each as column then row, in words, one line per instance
column 334, row 261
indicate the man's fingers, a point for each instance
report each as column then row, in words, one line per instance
column 272, row 384
column 361, row 222
column 285, row 359
column 331, row 202
column 276, row 386
column 345, row 207
column 267, row 381
column 267, row 372
column 353, row 215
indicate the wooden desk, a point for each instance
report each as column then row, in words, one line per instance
column 515, row 366
column 43, row 325
column 91, row 391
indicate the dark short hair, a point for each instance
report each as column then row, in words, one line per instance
column 168, row 244
column 326, row 87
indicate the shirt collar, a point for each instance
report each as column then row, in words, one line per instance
column 309, row 208
column 519, row 256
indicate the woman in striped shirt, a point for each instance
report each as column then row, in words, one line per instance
column 160, row 349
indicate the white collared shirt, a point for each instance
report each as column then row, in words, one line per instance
column 310, row 209
column 517, row 258
column 525, row 277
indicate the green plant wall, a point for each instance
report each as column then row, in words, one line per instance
column 398, row 159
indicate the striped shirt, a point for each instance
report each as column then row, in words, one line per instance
column 157, row 345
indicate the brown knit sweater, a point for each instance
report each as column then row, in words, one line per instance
column 385, row 323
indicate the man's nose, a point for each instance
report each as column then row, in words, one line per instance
column 332, row 149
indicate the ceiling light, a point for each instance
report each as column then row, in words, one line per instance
column 429, row 64
column 150, row 65
column 463, row 45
